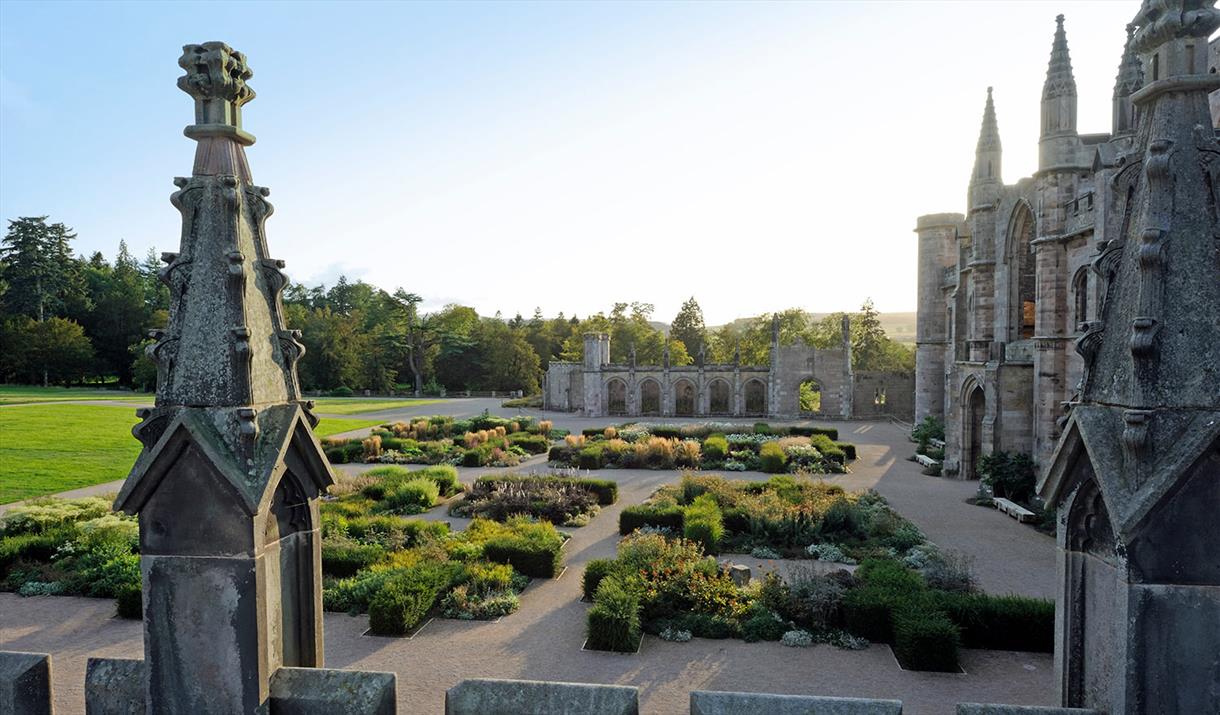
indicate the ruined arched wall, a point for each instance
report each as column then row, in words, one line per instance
column 793, row 364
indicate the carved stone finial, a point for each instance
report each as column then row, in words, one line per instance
column 216, row 77
column 1160, row 21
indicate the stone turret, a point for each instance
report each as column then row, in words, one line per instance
column 1130, row 79
column 1135, row 473
column 1057, row 143
column 228, row 483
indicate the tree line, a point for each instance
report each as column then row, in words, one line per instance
column 67, row 319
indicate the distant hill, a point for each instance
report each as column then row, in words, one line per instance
column 899, row 326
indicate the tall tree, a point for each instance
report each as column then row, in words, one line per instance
column 38, row 267
column 868, row 337
column 689, row 328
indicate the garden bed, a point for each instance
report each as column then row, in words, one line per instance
column 72, row 547
column 783, row 517
column 563, row 500
column 483, row 441
column 667, row 587
column 777, row 450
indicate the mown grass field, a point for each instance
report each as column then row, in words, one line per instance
column 360, row 405
column 24, row 394
column 328, row 426
column 48, row 448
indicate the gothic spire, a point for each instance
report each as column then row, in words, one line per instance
column 226, row 344
column 987, row 153
column 1060, row 81
column 1059, row 90
column 1130, row 78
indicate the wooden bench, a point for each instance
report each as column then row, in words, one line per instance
column 926, row 461
column 937, row 443
column 1013, row 509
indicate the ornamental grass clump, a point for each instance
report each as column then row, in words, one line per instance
column 410, row 497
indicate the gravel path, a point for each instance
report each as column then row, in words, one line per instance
column 543, row 639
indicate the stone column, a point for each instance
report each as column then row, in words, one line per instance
column 1051, row 336
column 937, row 253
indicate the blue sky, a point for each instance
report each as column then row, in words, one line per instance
column 562, row 155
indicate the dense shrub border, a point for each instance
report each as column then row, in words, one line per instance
column 733, row 447
column 71, row 547
column 482, row 441
column 664, row 585
column 790, row 516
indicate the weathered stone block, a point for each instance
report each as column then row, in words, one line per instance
column 325, row 691
column 740, row 574
column 989, row 709
column 508, row 697
column 704, row 702
column 114, row 686
column 25, row 683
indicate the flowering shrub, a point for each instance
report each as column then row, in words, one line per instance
column 797, row 639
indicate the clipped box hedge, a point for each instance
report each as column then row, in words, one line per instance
column 641, row 515
column 344, row 558
column 533, row 557
column 595, row 571
column 925, row 640
column 830, row 432
column 1001, row 622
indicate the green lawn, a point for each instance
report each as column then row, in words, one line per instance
column 51, row 448
column 20, row 394
column 334, row 425
column 359, row 405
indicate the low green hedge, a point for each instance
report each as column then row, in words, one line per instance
column 614, row 621
column 925, row 640
column 32, row 547
column 405, row 598
column 343, row 558
column 532, row 443
column 533, row 557
column 595, row 571
column 129, row 603
column 830, row 432
column 1001, row 622
column 641, row 515
column 849, row 449
column 590, row 458
column 704, row 523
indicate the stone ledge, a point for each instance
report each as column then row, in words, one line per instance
column 320, row 691
column 114, row 686
column 985, row 709
column 704, row 702
column 25, row 683
column 482, row 696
